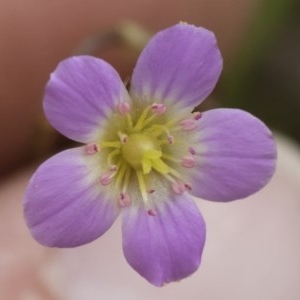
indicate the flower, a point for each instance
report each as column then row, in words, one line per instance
column 146, row 154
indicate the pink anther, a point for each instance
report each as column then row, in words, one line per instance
column 151, row 191
column 178, row 187
column 113, row 168
column 124, row 200
column 151, row 212
column 105, row 179
column 188, row 186
column 123, row 137
column 91, row 148
column 123, row 108
column 192, row 150
column 188, row 124
column 188, row 162
column 197, row 115
column 158, row 108
column 170, row 139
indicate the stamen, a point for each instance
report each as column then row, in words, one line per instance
column 151, row 212
column 188, row 162
column 124, row 200
column 126, row 178
column 122, row 181
column 172, row 177
column 174, row 173
column 111, row 155
column 171, row 170
column 123, row 137
column 113, row 168
column 158, row 108
column 142, row 185
column 178, row 187
column 170, row 158
column 141, row 121
column 170, row 139
column 144, row 120
column 92, row 148
column 107, row 177
column 159, row 129
column 124, row 108
column 109, row 144
column 197, row 115
column 151, row 191
column 188, row 124
column 120, row 176
column 192, row 150
column 188, row 186
column 129, row 121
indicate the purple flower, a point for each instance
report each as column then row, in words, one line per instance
column 146, row 154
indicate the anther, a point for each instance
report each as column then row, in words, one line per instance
column 107, row 177
column 151, row 212
column 188, row 124
column 123, row 137
column 192, row 150
column 123, row 108
column 151, row 191
column 170, row 139
column 124, row 200
column 113, row 168
column 158, row 108
column 92, row 148
column 188, row 186
column 188, row 162
column 178, row 187
column 197, row 115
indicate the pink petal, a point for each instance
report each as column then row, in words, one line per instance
column 166, row 244
column 181, row 64
column 235, row 155
column 80, row 95
column 64, row 205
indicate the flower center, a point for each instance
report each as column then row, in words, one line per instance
column 141, row 143
column 140, row 150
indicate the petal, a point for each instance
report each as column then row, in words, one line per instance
column 64, row 205
column 166, row 246
column 235, row 154
column 80, row 94
column 181, row 64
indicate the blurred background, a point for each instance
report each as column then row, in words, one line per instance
column 260, row 44
column 259, row 40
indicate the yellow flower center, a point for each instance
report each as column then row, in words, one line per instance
column 143, row 152
column 141, row 144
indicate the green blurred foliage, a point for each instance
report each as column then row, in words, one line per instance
column 264, row 77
